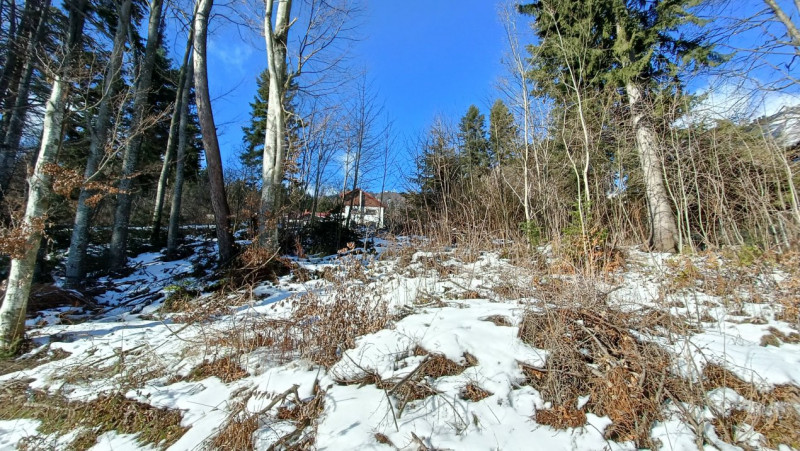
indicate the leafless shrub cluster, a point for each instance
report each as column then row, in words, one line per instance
column 593, row 352
column 302, row 413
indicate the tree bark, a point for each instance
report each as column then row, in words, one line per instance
column 12, row 123
column 98, row 137
column 12, row 313
column 12, row 69
column 663, row 227
column 219, row 201
column 180, row 163
column 122, row 214
column 274, row 148
column 172, row 142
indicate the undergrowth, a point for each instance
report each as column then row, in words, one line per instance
column 90, row 419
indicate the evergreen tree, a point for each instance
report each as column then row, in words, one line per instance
column 475, row 145
column 630, row 45
column 502, row 132
column 254, row 133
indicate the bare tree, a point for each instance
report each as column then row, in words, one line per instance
column 12, row 313
column 792, row 30
column 274, row 149
column 364, row 116
column 323, row 24
column 172, row 143
column 219, row 201
column 180, row 162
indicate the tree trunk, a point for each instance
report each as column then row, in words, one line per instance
column 12, row 313
column 663, row 228
column 172, row 141
column 12, row 69
column 122, row 214
column 274, row 149
column 180, row 162
column 219, row 201
column 13, row 120
column 98, row 137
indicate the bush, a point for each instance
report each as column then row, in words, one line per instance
column 324, row 236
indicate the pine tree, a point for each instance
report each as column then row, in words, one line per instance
column 252, row 155
column 475, row 146
column 255, row 132
column 502, row 132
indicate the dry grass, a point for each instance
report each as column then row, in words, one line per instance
column 473, row 392
column 777, row 338
column 592, row 351
column 28, row 362
column 303, row 413
column 775, row 417
column 227, row 369
column 326, row 329
column 253, row 265
column 111, row 412
column 237, row 433
column 499, row 320
column 561, row 417
column 319, row 327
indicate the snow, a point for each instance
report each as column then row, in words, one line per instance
column 445, row 305
column 13, row 431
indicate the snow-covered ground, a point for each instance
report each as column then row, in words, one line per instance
column 459, row 311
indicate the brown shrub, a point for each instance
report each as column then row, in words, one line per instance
column 227, row 369
column 473, row 392
column 561, row 417
column 592, row 351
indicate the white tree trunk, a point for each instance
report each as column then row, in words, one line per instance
column 663, row 228
column 274, row 149
column 12, row 313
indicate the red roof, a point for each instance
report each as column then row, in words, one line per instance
column 354, row 197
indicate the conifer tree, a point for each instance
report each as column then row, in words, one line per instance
column 631, row 45
column 502, row 132
column 475, row 145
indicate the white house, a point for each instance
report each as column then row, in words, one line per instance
column 363, row 208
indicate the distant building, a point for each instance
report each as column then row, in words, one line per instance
column 363, row 208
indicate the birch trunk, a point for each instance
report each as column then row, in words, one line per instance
column 12, row 313
column 274, row 148
column 172, row 141
column 219, row 201
column 663, row 228
column 180, row 163
column 122, row 214
column 98, row 137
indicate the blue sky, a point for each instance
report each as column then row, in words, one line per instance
column 423, row 58
column 431, row 57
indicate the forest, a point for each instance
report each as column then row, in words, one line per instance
column 616, row 224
